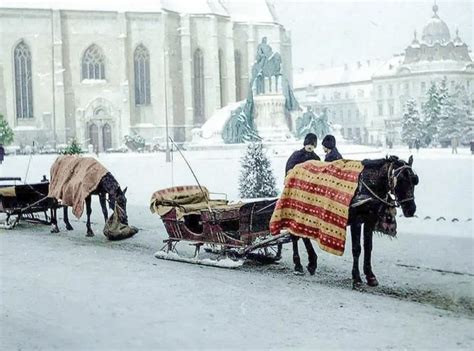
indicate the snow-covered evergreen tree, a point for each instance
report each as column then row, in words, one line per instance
column 73, row 148
column 6, row 133
column 411, row 123
column 431, row 112
column 256, row 178
column 454, row 116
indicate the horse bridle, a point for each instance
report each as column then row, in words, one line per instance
column 392, row 176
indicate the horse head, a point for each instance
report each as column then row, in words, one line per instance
column 121, row 204
column 402, row 182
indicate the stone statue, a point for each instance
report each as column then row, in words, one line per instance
column 264, row 52
column 267, row 65
column 311, row 123
column 324, row 126
column 240, row 127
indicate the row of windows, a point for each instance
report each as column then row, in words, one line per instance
column 403, row 87
column 391, row 108
column 93, row 68
column 424, row 86
column 349, row 114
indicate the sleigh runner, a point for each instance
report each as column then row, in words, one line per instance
column 233, row 232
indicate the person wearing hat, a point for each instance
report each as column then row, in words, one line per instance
column 329, row 147
column 305, row 154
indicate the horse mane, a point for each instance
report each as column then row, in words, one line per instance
column 379, row 162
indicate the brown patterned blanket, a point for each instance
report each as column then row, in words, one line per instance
column 73, row 178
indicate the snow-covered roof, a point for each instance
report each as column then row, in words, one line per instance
column 352, row 73
column 250, row 11
column 440, row 65
column 357, row 73
column 195, row 7
column 238, row 10
column 86, row 5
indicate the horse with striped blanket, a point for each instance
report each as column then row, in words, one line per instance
column 320, row 199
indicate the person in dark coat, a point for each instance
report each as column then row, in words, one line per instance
column 2, row 153
column 329, row 147
column 305, row 154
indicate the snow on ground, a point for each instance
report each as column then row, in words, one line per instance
column 67, row 291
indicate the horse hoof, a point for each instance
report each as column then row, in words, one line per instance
column 356, row 284
column 311, row 269
column 90, row 234
column 69, row 227
column 54, row 230
column 298, row 270
column 372, row 281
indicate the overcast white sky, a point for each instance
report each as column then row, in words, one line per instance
column 349, row 31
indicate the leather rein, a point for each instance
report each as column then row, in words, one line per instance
column 392, row 175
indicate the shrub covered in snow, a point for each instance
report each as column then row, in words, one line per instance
column 6, row 133
column 256, row 178
column 73, row 148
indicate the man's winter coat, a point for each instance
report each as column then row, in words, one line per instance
column 298, row 157
column 332, row 155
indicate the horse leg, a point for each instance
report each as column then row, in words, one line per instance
column 278, row 253
column 89, row 211
column 356, row 249
column 66, row 219
column 296, row 256
column 312, row 257
column 103, row 204
column 369, row 275
column 54, row 221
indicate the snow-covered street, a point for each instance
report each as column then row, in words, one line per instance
column 66, row 291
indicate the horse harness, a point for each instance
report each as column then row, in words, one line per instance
column 392, row 175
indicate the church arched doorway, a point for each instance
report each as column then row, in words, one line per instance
column 94, row 136
column 107, row 136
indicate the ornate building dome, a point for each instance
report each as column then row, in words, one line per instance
column 436, row 31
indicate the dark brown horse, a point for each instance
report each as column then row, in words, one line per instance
column 383, row 183
column 108, row 186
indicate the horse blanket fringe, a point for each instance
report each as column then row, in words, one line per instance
column 73, row 178
column 315, row 202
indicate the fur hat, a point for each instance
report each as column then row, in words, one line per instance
column 310, row 139
column 329, row 141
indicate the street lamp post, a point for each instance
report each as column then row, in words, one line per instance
column 168, row 153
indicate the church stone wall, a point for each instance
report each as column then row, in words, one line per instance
column 147, row 30
column 67, row 105
column 34, row 28
column 101, row 29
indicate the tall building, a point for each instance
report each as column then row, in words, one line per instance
column 367, row 99
column 89, row 70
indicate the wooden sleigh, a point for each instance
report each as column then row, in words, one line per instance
column 231, row 232
column 25, row 202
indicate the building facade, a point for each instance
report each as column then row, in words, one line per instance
column 367, row 99
column 96, row 73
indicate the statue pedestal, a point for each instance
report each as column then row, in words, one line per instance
column 269, row 114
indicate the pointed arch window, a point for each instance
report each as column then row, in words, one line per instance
column 198, row 87
column 93, row 63
column 142, row 75
column 23, row 81
column 238, row 74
